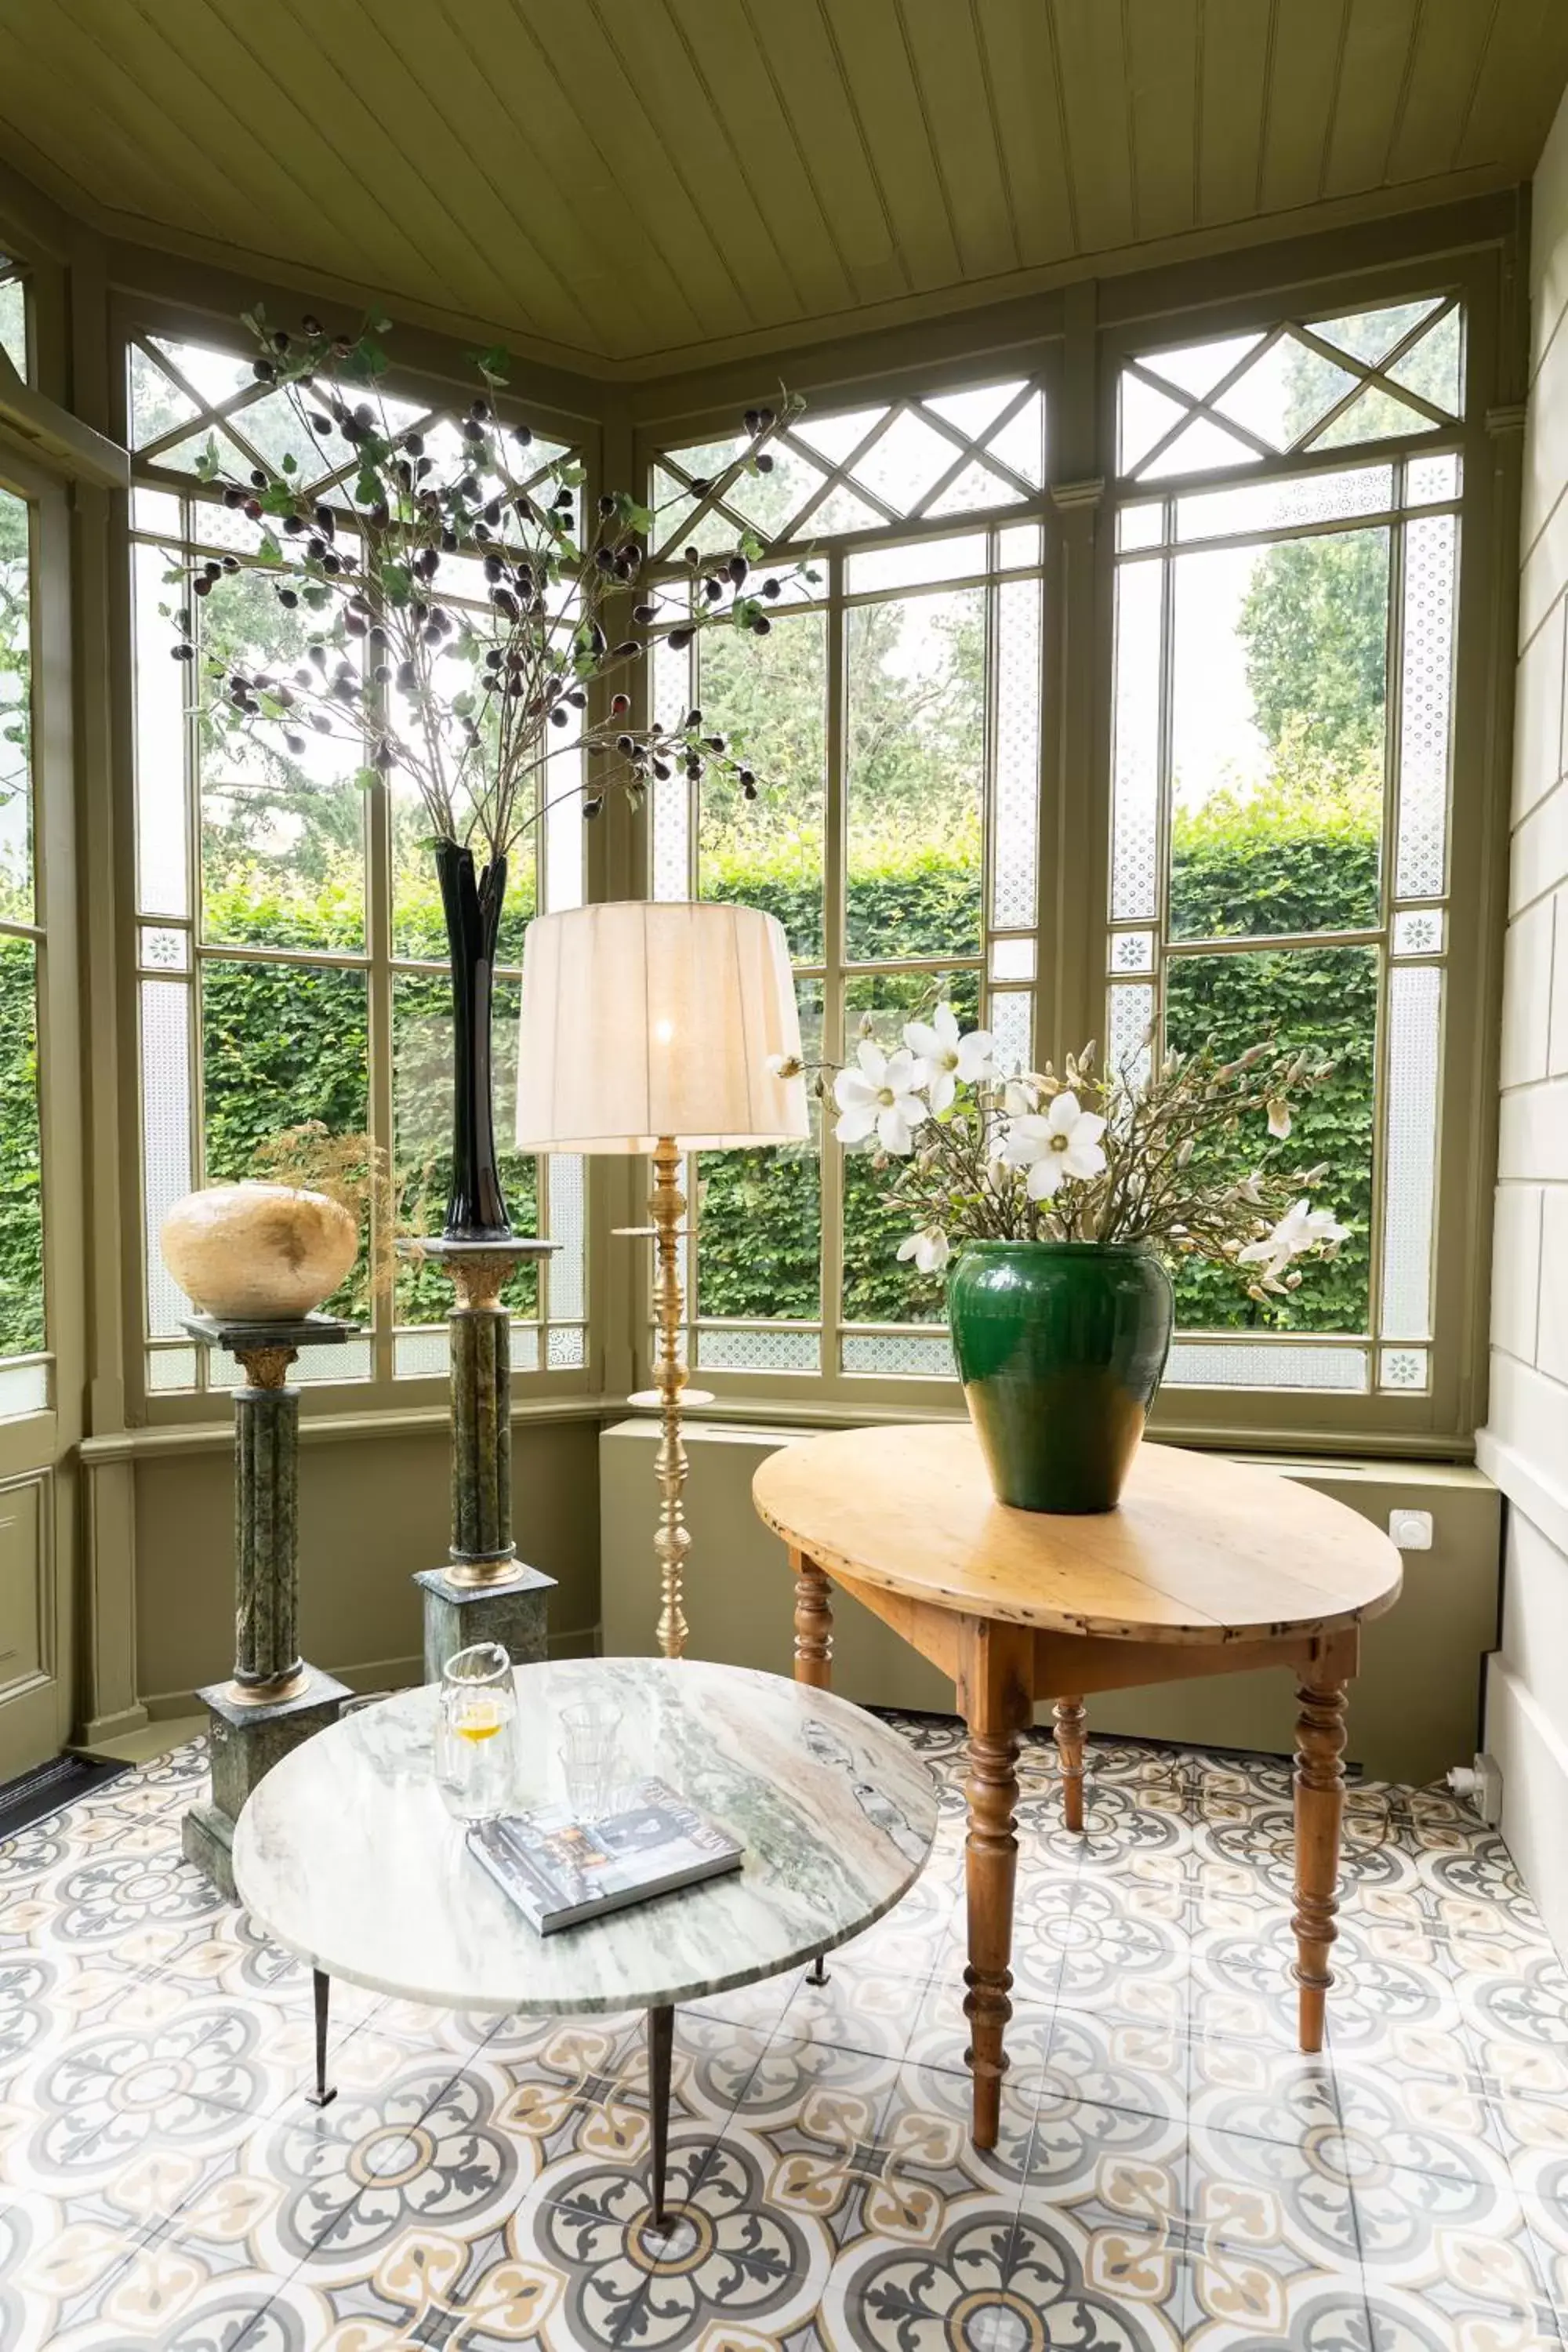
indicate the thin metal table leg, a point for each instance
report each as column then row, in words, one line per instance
column 661, row 2040
column 321, row 2096
column 817, row 1972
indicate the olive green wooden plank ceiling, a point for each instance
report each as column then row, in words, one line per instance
column 631, row 185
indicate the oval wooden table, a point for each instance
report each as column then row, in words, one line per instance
column 1207, row 1567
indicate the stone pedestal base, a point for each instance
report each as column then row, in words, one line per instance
column 456, row 1615
column 245, row 1741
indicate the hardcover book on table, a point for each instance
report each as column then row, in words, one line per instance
column 560, row 1871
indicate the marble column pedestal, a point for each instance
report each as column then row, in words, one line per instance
column 484, row 1593
column 273, row 1699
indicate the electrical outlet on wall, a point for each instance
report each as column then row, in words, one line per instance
column 1411, row 1530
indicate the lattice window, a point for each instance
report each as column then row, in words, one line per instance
column 1315, row 384
column 1281, row 784
column 16, row 340
column 290, row 945
column 899, row 842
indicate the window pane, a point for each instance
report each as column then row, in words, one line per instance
column 1136, row 809
column 16, row 709
column 1431, row 548
column 1415, row 1041
column 422, row 1137
column 167, row 1170
column 1324, row 999
column 1277, row 736
column 771, row 695
column 759, row 1250
column 915, row 697
column 877, row 1287
column 14, row 324
column 282, row 828
column 282, row 1044
column 21, row 1161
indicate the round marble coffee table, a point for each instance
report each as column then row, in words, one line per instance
column 346, row 1856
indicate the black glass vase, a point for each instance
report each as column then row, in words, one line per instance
column 471, row 901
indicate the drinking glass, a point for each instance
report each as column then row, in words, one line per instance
column 590, row 1756
column 476, row 1758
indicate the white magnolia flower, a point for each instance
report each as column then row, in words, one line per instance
column 784, row 1066
column 929, row 1250
column 1279, row 1116
column 1063, row 1141
column 945, row 1057
column 1300, row 1229
column 879, row 1094
column 1019, row 1099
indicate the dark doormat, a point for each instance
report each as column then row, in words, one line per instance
column 49, row 1786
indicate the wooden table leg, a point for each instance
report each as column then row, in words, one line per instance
column 1070, row 1722
column 1319, row 1806
column 813, row 1623
column 995, row 1696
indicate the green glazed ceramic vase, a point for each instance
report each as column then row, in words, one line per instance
column 1060, row 1346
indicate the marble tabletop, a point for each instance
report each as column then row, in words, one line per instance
column 347, row 1857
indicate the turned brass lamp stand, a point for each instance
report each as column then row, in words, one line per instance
column 660, row 1028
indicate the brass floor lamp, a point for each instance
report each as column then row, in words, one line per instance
column 657, row 1027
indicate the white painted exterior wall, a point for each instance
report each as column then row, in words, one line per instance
column 1525, row 1443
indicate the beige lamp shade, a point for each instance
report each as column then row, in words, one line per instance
column 644, row 1019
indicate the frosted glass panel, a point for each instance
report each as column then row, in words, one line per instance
column 162, row 686
column 1421, row 861
column 171, row 1368
column 669, row 800
column 565, row 1350
column 1012, row 1028
column 23, row 1388
column 1402, row 1367
column 1139, row 590
column 1280, row 506
column 421, row 1355
column 1014, row 888
column 1131, row 1011
column 1414, row 1026
column 166, row 1165
column 899, row 1354
column 722, row 1350
column 1238, row 1365
column 566, row 1268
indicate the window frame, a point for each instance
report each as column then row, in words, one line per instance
column 383, row 1391
column 1236, row 293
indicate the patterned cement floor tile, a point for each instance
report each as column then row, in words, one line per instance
column 1171, row 2172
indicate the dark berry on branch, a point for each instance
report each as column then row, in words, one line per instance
column 748, row 788
column 448, row 542
column 604, row 558
column 296, row 743
column 292, row 526
column 559, row 718
column 522, row 434
column 752, row 421
column 700, row 490
column 765, row 417
column 679, row 639
column 692, row 722
column 320, row 424
column 229, row 564
column 717, row 744
column 331, row 565
column 233, row 497
column 662, row 770
column 619, row 705
column 288, row 598
column 469, row 486
column 694, row 768
column 607, row 503
column 748, row 779
column 382, row 672
column 473, row 431
column 693, row 556
column 309, row 324
column 492, row 512
column 629, row 651
column 591, row 807
column 576, row 697
column 320, row 722
column 626, row 745
column 761, row 626
column 263, row 371
column 764, row 463
column 565, row 499
column 712, row 590
column 353, row 625
column 645, row 612
column 414, row 444
column 253, row 509
column 385, row 757
column 432, row 632
column 281, row 340
column 738, row 568
column 183, row 653
column 770, row 588
column 257, row 477
column 494, row 568
column 407, row 678
column 493, row 659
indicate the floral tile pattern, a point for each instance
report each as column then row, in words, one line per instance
column 1171, row 2174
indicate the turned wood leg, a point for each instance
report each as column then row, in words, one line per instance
column 994, row 1695
column 1071, row 1721
column 813, row 1623
column 1320, row 1805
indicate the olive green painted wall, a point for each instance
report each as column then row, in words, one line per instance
column 372, row 1511
column 1414, row 1711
